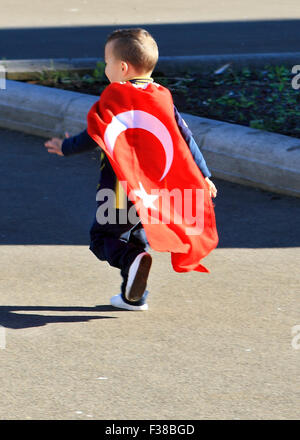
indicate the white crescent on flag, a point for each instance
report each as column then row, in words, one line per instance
column 145, row 121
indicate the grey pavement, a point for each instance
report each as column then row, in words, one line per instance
column 78, row 28
column 211, row 346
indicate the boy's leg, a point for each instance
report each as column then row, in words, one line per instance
column 135, row 272
column 120, row 245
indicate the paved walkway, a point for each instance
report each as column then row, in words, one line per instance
column 212, row 346
column 78, row 28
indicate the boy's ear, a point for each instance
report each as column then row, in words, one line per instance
column 124, row 67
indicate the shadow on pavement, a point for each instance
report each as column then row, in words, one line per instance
column 50, row 200
column 12, row 320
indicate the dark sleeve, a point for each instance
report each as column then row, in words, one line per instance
column 78, row 144
column 195, row 150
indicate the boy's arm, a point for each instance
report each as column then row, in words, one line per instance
column 195, row 150
column 71, row 145
column 78, row 144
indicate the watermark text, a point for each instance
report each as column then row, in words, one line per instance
column 2, row 338
column 296, row 339
column 296, row 79
column 2, row 78
column 157, row 206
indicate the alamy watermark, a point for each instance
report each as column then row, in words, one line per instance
column 296, row 339
column 2, row 338
column 296, row 79
column 160, row 206
column 2, row 78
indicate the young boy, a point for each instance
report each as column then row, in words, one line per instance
column 130, row 56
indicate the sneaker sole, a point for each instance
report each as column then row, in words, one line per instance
column 139, row 284
column 116, row 301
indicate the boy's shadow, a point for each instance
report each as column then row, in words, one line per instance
column 17, row 320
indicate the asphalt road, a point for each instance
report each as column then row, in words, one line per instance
column 78, row 28
column 211, row 346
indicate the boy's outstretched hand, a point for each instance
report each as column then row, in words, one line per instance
column 212, row 188
column 54, row 145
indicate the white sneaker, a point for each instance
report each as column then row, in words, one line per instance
column 137, row 277
column 117, row 301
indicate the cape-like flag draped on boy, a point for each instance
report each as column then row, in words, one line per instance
column 137, row 129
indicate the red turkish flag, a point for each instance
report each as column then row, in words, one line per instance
column 136, row 128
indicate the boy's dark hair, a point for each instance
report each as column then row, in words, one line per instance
column 135, row 46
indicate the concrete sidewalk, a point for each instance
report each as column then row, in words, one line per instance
column 211, row 346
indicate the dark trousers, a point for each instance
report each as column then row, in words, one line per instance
column 118, row 244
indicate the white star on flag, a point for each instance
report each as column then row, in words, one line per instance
column 148, row 199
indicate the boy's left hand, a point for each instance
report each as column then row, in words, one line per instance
column 212, row 189
column 54, row 145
